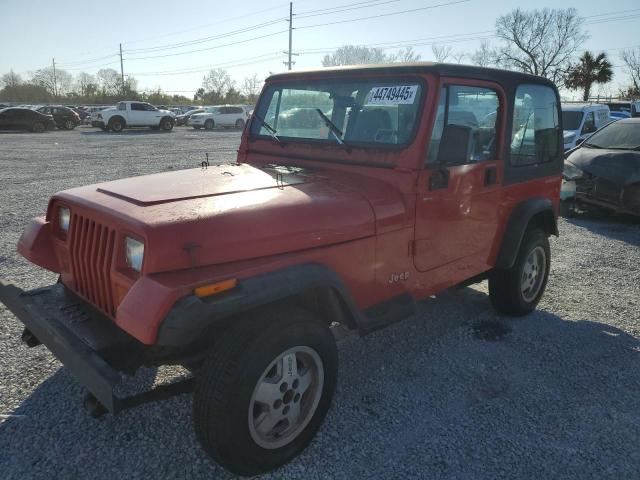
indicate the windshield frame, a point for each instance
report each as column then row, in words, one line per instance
column 265, row 98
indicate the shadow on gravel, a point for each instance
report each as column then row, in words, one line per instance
column 127, row 133
column 623, row 228
column 422, row 399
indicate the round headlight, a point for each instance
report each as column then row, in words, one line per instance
column 134, row 253
column 64, row 218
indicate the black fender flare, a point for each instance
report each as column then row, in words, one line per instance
column 192, row 317
column 538, row 209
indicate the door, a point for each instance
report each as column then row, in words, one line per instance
column 459, row 191
column 224, row 118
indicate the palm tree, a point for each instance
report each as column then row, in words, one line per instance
column 588, row 71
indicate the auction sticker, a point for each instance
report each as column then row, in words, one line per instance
column 392, row 95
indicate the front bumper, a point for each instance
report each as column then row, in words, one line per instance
column 91, row 346
column 97, row 123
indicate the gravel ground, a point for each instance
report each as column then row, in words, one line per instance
column 455, row 392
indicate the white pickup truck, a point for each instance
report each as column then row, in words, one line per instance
column 134, row 114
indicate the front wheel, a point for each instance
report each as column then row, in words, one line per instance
column 38, row 127
column 265, row 389
column 209, row 124
column 166, row 124
column 240, row 123
column 116, row 125
column 69, row 125
column 517, row 290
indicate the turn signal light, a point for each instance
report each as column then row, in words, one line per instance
column 215, row 288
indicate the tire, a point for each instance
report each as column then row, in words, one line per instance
column 38, row 127
column 166, row 124
column 209, row 124
column 227, row 409
column 516, row 291
column 69, row 125
column 240, row 124
column 116, row 125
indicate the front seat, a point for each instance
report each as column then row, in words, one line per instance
column 368, row 124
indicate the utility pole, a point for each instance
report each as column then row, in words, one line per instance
column 55, row 80
column 289, row 53
column 121, row 69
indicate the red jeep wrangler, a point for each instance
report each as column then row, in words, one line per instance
column 356, row 193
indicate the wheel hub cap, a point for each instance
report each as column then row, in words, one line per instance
column 533, row 274
column 286, row 397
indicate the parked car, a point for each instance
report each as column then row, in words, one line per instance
column 241, row 272
column 581, row 120
column 64, row 117
column 183, row 119
column 134, row 114
column 627, row 108
column 93, row 119
column 15, row 118
column 219, row 116
column 605, row 169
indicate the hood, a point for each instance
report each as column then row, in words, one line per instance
column 226, row 213
column 621, row 167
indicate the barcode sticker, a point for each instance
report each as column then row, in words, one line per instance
column 392, row 95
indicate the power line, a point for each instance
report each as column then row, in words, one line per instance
column 205, row 39
column 341, row 6
column 389, row 14
column 356, row 7
column 204, row 68
column 210, row 48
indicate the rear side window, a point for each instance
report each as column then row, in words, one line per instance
column 535, row 136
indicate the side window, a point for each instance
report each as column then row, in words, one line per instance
column 536, row 132
column 473, row 108
column 589, row 123
column 137, row 107
column 148, row 107
column 224, row 110
column 123, row 106
column 236, row 110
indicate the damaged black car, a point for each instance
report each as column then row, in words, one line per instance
column 605, row 169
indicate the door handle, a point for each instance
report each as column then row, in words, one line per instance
column 490, row 175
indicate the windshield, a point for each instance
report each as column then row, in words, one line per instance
column 619, row 135
column 344, row 111
column 571, row 120
column 620, row 107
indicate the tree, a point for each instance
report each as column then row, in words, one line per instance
column 441, row 53
column 588, row 71
column 216, row 85
column 109, row 81
column 10, row 79
column 354, row 55
column 405, row 55
column 251, row 88
column 485, row 55
column 540, row 42
column 59, row 83
column 459, row 56
column 631, row 59
column 86, row 84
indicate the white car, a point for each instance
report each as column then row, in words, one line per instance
column 219, row 116
column 581, row 120
column 135, row 114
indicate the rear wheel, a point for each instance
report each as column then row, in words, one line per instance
column 69, row 125
column 517, row 290
column 265, row 389
column 38, row 127
column 240, row 123
column 209, row 124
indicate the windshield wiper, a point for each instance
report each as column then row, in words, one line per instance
column 272, row 131
column 335, row 130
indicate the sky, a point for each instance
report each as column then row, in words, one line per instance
column 172, row 44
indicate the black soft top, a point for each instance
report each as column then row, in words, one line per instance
column 503, row 77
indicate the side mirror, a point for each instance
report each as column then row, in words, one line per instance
column 456, row 145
